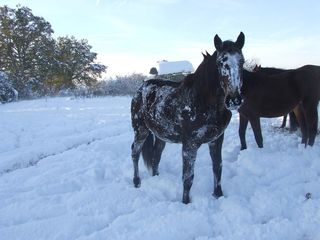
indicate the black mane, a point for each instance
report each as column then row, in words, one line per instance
column 205, row 80
column 272, row 70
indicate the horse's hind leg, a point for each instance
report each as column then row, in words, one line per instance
column 157, row 151
column 140, row 136
column 311, row 114
column 284, row 121
column 215, row 153
column 301, row 118
column 293, row 121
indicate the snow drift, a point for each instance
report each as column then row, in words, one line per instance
column 66, row 173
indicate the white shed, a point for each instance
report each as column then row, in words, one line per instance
column 166, row 67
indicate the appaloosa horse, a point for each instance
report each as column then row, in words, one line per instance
column 191, row 112
column 274, row 95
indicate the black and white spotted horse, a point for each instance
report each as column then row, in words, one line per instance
column 191, row 112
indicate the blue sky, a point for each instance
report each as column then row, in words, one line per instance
column 132, row 35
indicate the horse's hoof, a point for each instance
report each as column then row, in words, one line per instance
column 243, row 147
column 186, row 199
column 155, row 173
column 136, row 182
column 217, row 193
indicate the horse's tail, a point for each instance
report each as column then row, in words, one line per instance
column 147, row 151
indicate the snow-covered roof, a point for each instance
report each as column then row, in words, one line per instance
column 166, row 67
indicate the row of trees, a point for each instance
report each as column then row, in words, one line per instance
column 36, row 63
column 117, row 86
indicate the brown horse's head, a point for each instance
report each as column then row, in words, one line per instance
column 230, row 63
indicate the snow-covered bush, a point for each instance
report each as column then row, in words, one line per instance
column 120, row 85
column 7, row 92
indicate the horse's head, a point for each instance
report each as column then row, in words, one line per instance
column 230, row 63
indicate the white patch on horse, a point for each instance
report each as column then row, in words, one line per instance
column 201, row 132
column 216, row 182
column 231, row 69
column 187, row 108
column 190, row 161
column 160, row 99
column 192, row 116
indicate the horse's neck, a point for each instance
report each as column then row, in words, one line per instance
column 205, row 88
column 251, row 80
column 206, row 101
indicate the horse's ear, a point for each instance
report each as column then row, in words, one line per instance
column 240, row 40
column 204, row 56
column 218, row 43
column 208, row 54
column 256, row 68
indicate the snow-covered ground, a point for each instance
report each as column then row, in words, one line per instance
column 66, row 173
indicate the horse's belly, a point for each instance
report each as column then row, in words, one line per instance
column 208, row 134
column 267, row 108
column 278, row 111
column 166, row 128
column 213, row 128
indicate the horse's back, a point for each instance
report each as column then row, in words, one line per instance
column 308, row 80
column 161, row 82
column 156, row 105
column 270, row 93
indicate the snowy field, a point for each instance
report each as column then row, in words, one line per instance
column 66, row 173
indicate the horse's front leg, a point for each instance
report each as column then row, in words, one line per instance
column 189, row 154
column 242, row 131
column 256, row 127
column 215, row 153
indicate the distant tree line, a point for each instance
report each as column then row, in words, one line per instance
column 35, row 64
column 116, row 86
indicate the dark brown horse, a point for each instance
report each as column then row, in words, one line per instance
column 191, row 112
column 274, row 95
column 292, row 117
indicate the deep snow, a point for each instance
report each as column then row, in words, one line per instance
column 66, row 173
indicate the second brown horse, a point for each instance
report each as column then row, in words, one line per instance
column 267, row 94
